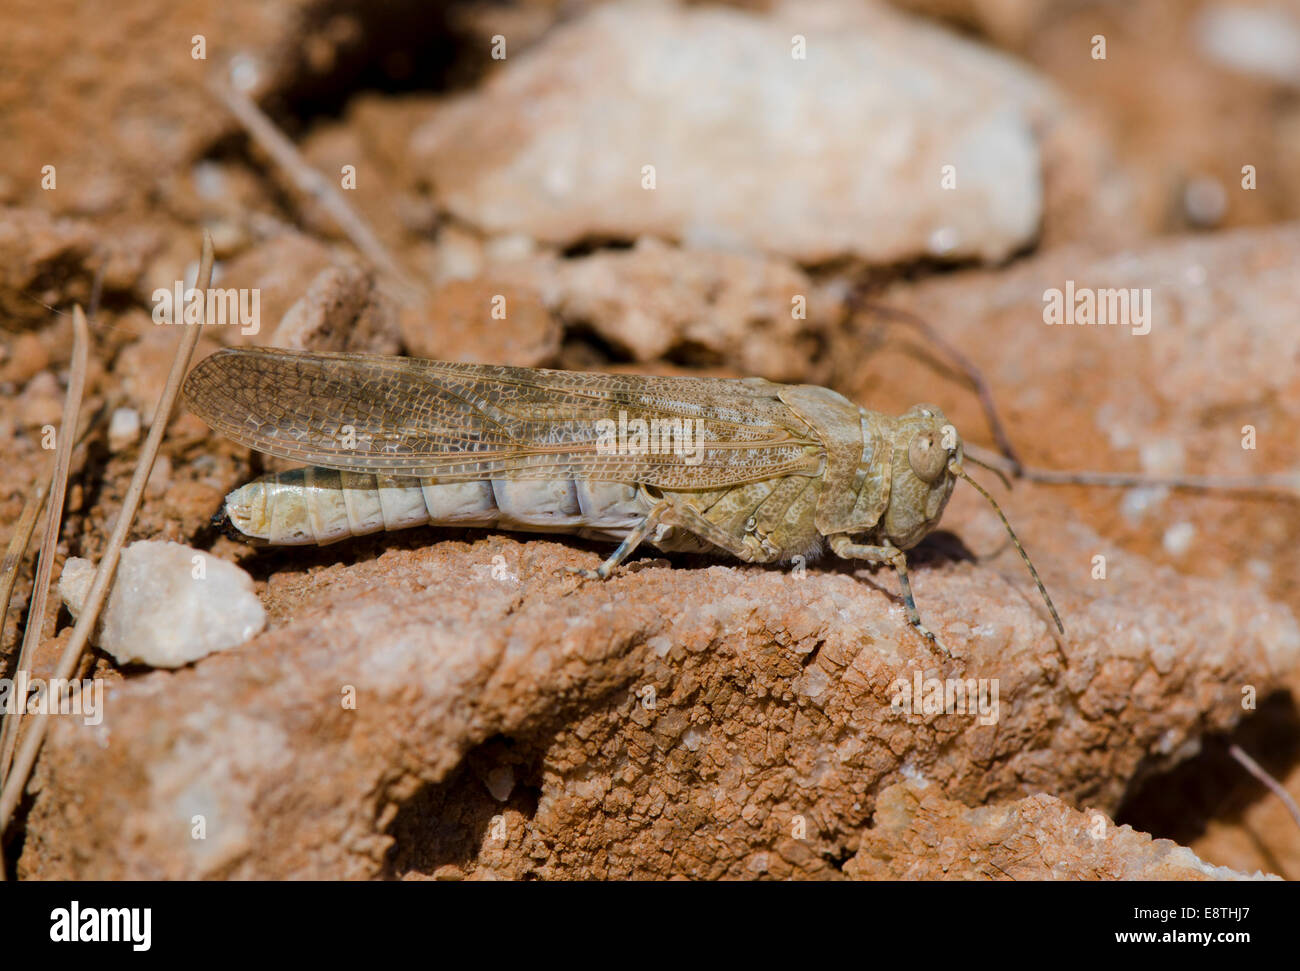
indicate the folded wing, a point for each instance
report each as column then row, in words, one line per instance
column 460, row 422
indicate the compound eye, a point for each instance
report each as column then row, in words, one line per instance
column 926, row 457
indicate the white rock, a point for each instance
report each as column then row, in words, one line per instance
column 123, row 429
column 839, row 153
column 1262, row 41
column 169, row 604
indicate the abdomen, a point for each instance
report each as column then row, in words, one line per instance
column 318, row 506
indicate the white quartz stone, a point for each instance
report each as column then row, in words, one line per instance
column 169, row 604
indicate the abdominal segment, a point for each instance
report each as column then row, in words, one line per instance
column 318, row 506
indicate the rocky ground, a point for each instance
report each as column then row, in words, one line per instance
column 452, row 703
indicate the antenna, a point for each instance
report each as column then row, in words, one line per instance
column 992, row 468
column 956, row 469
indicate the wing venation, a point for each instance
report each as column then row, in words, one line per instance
column 457, row 422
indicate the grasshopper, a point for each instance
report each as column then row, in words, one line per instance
column 762, row 471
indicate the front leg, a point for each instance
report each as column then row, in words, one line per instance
column 849, row 550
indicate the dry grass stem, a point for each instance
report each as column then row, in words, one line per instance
column 309, row 181
column 49, row 543
column 1258, row 771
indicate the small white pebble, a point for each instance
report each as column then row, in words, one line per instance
column 169, row 605
column 209, row 180
column 1261, row 570
column 942, row 241
column 511, row 247
column 123, row 429
column 1178, row 538
column 244, row 72
column 460, row 257
column 1139, row 501
column 1260, row 41
column 1162, row 456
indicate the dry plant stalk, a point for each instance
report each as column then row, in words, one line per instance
column 310, row 182
column 31, row 742
column 26, row 525
column 58, row 490
column 18, row 542
column 973, row 374
column 1273, row 786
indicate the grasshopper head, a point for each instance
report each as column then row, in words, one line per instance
column 925, row 445
column 927, row 464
